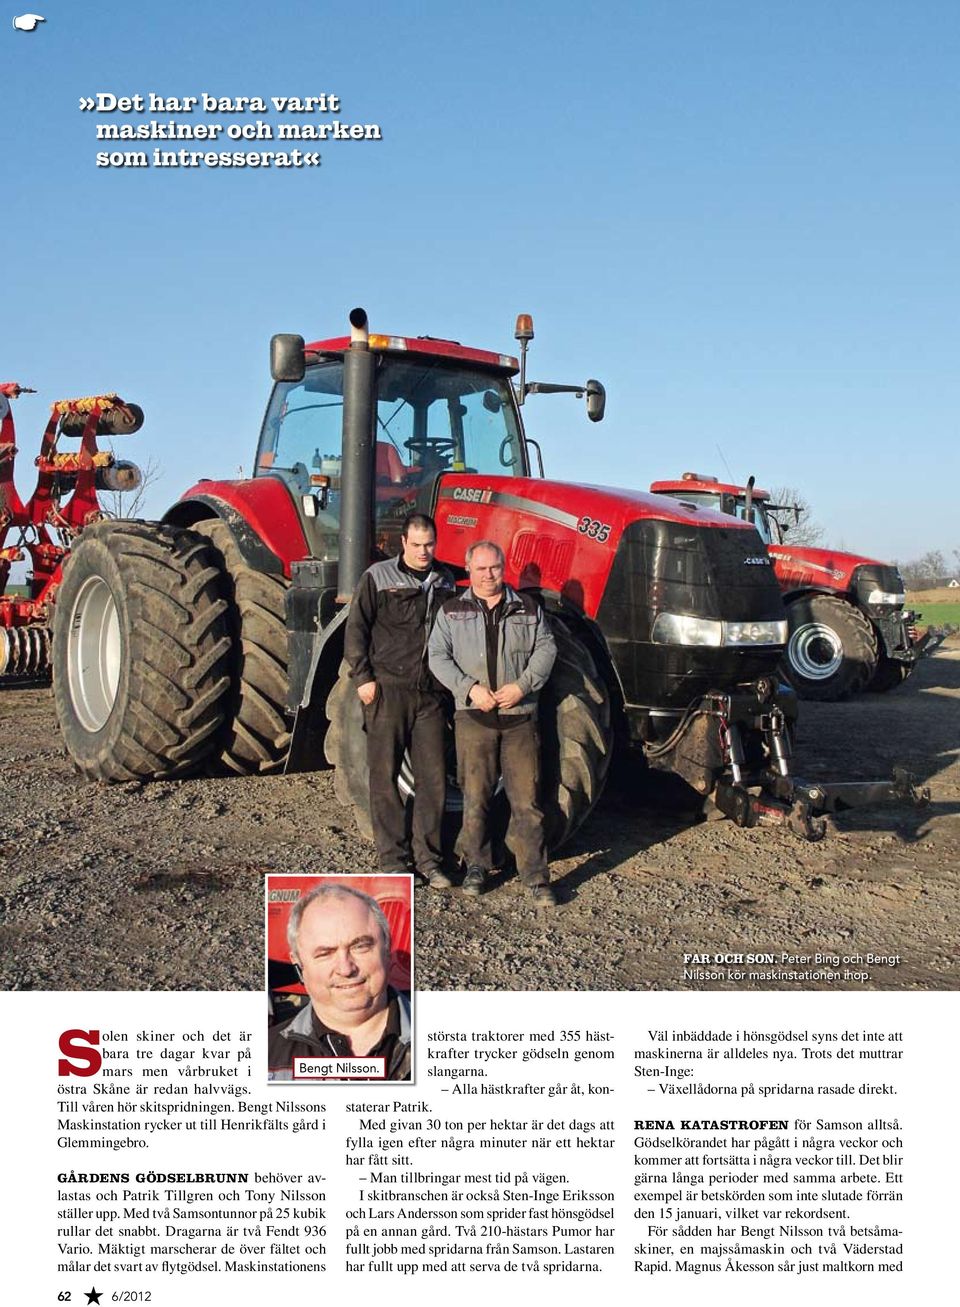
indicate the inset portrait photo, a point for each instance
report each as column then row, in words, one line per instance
column 339, row 983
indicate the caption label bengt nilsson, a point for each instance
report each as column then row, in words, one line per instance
column 303, row 128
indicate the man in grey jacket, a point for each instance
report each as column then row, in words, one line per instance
column 493, row 649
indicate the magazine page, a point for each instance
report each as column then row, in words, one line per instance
column 479, row 671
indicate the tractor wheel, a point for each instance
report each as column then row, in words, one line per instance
column 576, row 740
column 345, row 748
column 889, row 674
column 831, row 649
column 576, row 737
column 256, row 736
column 141, row 652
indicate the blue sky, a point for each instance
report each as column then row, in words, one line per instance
column 742, row 217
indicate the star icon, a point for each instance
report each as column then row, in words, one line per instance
column 93, row 1296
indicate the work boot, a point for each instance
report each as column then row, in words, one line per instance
column 474, row 882
column 437, row 878
column 544, row 896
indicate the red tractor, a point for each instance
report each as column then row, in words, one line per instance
column 848, row 628
column 214, row 638
column 46, row 525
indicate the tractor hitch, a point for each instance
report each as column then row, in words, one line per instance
column 749, row 808
column 798, row 805
column 838, row 796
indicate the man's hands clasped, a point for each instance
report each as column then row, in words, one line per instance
column 508, row 696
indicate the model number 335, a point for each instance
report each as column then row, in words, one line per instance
column 595, row 529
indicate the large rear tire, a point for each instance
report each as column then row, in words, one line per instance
column 256, row 738
column 140, row 652
column 345, row 748
column 576, row 741
column 831, row 648
column 576, row 737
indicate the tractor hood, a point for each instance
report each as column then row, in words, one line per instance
column 561, row 537
column 570, row 505
column 833, row 570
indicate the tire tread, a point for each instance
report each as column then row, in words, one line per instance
column 175, row 696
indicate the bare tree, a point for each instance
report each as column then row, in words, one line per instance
column 924, row 573
column 129, row 503
column 801, row 529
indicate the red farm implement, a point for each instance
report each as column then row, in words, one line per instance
column 40, row 530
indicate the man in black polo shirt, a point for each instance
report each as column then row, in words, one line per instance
column 493, row 649
column 385, row 646
column 339, row 940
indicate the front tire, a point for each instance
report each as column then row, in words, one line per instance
column 140, row 652
column 831, row 649
column 889, row 674
column 256, row 738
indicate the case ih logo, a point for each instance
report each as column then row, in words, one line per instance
column 804, row 564
column 756, row 562
column 472, row 494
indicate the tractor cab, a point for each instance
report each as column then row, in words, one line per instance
column 439, row 408
column 748, row 503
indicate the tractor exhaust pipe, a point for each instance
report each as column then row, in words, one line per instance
column 356, row 472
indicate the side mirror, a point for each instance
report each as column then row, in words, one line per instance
column 596, row 400
column 286, row 357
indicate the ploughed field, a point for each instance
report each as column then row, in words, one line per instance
column 160, row 886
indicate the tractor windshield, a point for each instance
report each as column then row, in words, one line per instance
column 432, row 417
column 767, row 527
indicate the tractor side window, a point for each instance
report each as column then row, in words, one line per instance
column 758, row 519
column 769, row 528
column 301, row 443
column 439, row 417
column 490, row 436
column 435, row 417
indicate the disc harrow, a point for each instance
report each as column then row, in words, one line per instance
column 42, row 529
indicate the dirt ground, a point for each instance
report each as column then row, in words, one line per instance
column 160, row 886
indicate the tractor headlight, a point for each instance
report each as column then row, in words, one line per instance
column 673, row 628
column 886, row 597
column 738, row 633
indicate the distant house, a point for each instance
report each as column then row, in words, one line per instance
column 954, row 584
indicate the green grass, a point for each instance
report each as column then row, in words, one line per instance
column 21, row 591
column 939, row 614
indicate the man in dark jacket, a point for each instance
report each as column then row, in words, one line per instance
column 339, row 939
column 493, row 649
column 385, row 647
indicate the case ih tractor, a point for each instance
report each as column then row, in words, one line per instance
column 46, row 525
column 848, row 628
column 214, row 638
